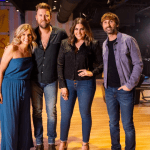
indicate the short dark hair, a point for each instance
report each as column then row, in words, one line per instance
column 43, row 6
column 88, row 33
column 110, row 16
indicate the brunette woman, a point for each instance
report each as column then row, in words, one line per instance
column 76, row 75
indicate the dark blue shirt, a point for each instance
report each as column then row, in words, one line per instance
column 45, row 61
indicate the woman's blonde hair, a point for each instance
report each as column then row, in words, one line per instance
column 18, row 33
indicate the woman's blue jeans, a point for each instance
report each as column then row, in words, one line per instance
column 84, row 90
column 120, row 100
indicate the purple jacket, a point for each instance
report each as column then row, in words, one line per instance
column 128, row 60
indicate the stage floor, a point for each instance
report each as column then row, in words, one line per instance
column 100, row 137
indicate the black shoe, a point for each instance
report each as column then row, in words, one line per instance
column 51, row 147
column 39, row 147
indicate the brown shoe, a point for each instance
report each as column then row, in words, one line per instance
column 51, row 147
column 39, row 147
column 85, row 146
column 63, row 145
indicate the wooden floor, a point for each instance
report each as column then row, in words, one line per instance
column 100, row 137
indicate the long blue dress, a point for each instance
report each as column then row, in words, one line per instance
column 15, row 110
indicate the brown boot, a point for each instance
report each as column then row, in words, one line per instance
column 63, row 145
column 39, row 147
column 51, row 147
column 85, row 146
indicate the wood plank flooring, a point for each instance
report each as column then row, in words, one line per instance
column 100, row 137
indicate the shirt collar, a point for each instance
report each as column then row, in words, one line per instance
column 37, row 31
column 119, row 35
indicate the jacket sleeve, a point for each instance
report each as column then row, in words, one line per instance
column 136, row 62
column 64, row 36
column 60, row 66
column 98, row 59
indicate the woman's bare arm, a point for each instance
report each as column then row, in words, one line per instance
column 7, row 56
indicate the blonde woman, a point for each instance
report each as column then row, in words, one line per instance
column 15, row 69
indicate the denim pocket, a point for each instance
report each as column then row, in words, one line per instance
column 123, row 91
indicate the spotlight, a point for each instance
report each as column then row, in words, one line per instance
column 108, row 1
column 54, row 7
column 84, row 15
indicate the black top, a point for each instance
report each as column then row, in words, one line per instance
column 113, row 76
column 70, row 62
column 45, row 62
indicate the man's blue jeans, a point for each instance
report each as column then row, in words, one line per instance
column 84, row 90
column 120, row 100
column 50, row 94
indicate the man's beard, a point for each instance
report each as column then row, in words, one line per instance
column 44, row 26
column 111, row 31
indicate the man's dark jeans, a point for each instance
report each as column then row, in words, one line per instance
column 120, row 100
column 50, row 94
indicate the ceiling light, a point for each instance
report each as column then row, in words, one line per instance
column 108, row 1
column 84, row 15
column 54, row 7
column 17, row 10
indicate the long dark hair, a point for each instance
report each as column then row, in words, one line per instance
column 88, row 33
